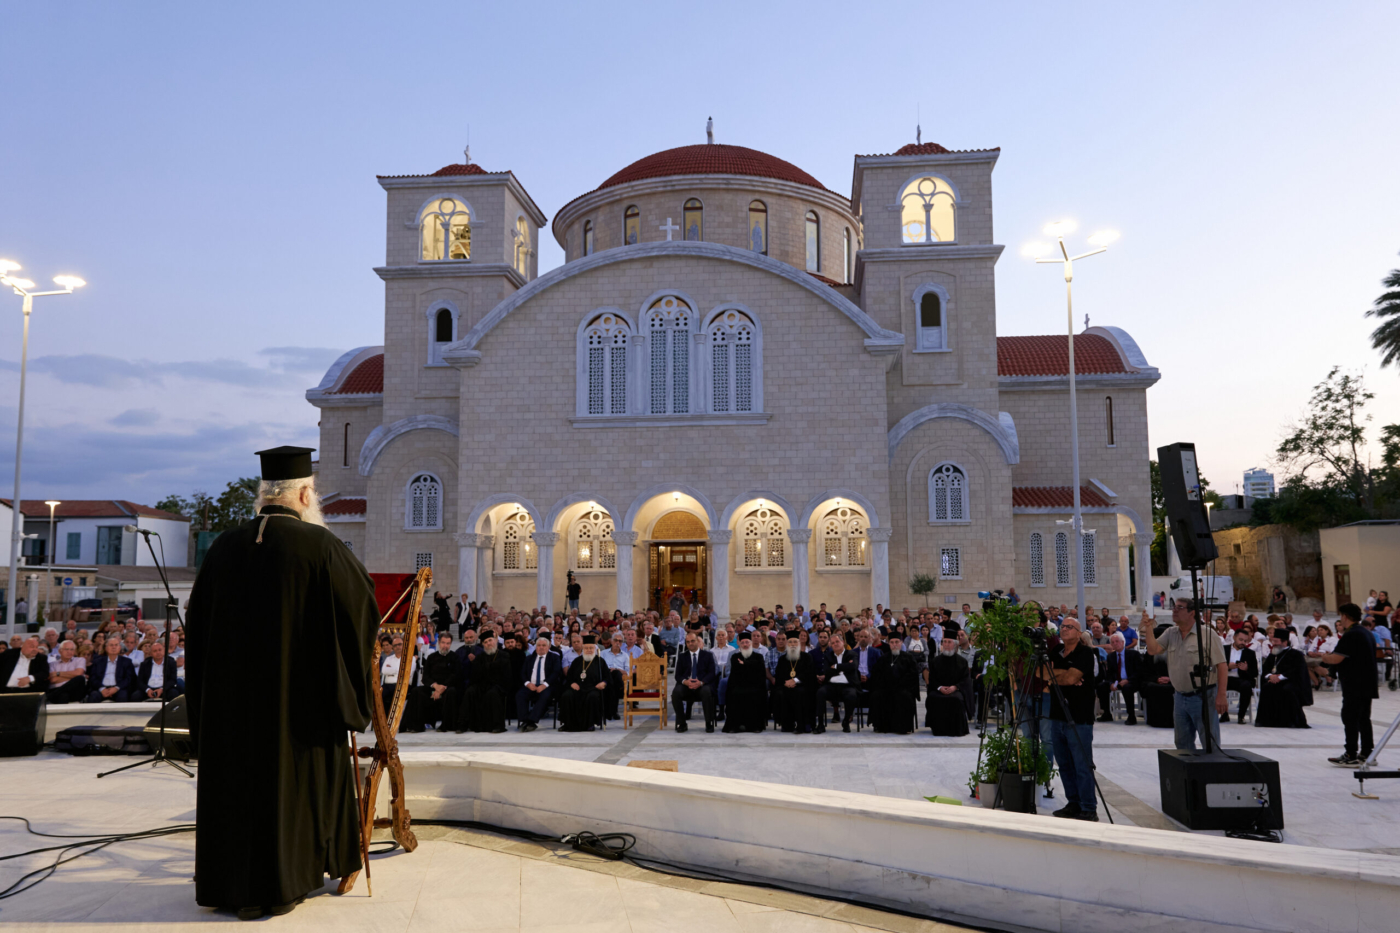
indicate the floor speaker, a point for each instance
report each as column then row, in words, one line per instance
column 177, row 730
column 22, row 723
column 1226, row 789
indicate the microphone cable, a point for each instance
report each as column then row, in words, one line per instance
column 71, row 851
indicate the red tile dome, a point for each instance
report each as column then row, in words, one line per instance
column 471, row 168
column 712, row 159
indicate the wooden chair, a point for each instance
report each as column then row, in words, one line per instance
column 645, row 685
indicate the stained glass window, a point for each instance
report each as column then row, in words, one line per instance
column 692, row 220
column 631, row 225
column 758, row 227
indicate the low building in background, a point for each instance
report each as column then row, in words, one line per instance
column 1359, row 558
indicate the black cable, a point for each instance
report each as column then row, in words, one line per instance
column 89, row 845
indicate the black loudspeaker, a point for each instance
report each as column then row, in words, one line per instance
column 1218, row 790
column 22, row 722
column 1186, row 510
column 177, row 730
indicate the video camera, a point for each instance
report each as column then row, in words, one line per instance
column 990, row 598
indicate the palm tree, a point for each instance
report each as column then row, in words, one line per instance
column 1386, row 338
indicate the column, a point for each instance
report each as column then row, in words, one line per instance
column 466, row 564
column 1125, row 589
column 544, row 576
column 879, row 565
column 485, row 567
column 1142, row 546
column 719, row 571
column 625, row 541
column 800, row 571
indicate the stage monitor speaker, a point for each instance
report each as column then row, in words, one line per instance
column 1218, row 790
column 177, row 730
column 22, row 722
column 1186, row 510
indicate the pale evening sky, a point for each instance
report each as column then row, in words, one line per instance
column 210, row 170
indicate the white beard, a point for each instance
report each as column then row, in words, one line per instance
column 588, row 656
column 746, row 652
column 311, row 514
column 947, row 653
column 794, row 653
column 490, row 650
column 895, row 652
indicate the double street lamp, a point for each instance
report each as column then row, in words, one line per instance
column 1100, row 241
column 25, row 289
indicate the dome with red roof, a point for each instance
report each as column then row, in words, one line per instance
column 712, row 159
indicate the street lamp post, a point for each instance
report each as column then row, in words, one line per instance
column 52, row 549
column 25, row 289
column 1100, row 241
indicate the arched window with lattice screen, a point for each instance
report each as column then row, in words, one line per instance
column 423, row 503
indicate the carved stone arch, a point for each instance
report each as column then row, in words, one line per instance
column 629, row 522
column 384, row 435
column 482, row 506
column 556, row 512
column 805, row 521
column 1001, row 428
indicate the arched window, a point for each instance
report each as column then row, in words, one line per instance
column 442, row 330
column 929, row 303
column 522, row 246
column 814, row 242
column 445, row 230
column 603, row 365
column 843, row 538
column 1061, row 559
column 1037, row 559
column 668, row 345
column 631, row 225
column 765, row 541
column 848, row 261
column 927, row 210
column 442, row 326
column 1108, row 419
column 345, row 447
column 516, row 550
column 1089, row 558
column 758, row 227
column 693, row 220
column 424, row 503
column 735, row 367
column 592, row 544
column 947, row 494
column 588, row 238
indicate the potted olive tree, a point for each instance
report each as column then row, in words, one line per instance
column 922, row 585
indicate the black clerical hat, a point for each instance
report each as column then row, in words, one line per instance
column 590, row 639
column 279, row 463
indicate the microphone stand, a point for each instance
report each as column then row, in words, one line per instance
column 172, row 610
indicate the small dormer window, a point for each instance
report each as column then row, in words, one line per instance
column 927, row 206
column 693, row 219
column 445, row 230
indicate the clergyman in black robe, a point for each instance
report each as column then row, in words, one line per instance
column 585, row 686
column 1285, row 688
column 746, row 697
column 491, row 684
column 793, row 685
column 945, row 710
column 439, row 695
column 279, row 640
column 1156, row 688
column 895, row 695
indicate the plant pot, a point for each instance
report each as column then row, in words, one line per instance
column 986, row 795
column 1018, row 793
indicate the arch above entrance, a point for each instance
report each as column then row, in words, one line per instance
column 670, row 490
column 678, row 525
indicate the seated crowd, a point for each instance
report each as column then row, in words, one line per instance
column 118, row 662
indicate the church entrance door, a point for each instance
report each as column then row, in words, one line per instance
column 676, row 570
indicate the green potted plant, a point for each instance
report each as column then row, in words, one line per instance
column 922, row 585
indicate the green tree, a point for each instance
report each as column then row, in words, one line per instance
column 1386, row 338
column 1332, row 438
column 233, row 506
column 922, row 585
column 1160, row 564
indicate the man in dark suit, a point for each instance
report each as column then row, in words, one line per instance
column 158, row 678
column 696, row 679
column 541, row 677
column 112, row 676
column 25, row 670
column 1243, row 666
column 1121, row 673
column 840, row 684
column 793, row 685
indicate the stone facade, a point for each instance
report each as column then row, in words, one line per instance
column 526, row 446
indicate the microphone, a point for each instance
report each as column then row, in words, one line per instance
column 132, row 529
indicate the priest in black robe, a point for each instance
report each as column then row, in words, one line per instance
column 895, row 696
column 438, row 696
column 1285, row 688
column 1156, row 688
column 746, row 697
column 945, row 711
column 279, row 640
column 491, row 683
column 585, row 688
column 794, row 682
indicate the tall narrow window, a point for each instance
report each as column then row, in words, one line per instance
column 1037, row 559
column 588, row 238
column 604, row 365
column 947, row 494
column 927, row 210
column 732, row 362
column 445, row 230
column 693, row 220
column 424, row 506
column 1061, row 559
column 758, row 227
column 1089, row 558
column 522, row 246
column 950, row 562
column 765, row 541
column 814, row 237
column 848, row 261
column 75, row 545
column 345, row 447
column 931, row 319
column 593, row 545
column 1108, row 419
column 668, row 342
column 843, row 538
column 516, row 549
column 631, row 225
column 442, row 326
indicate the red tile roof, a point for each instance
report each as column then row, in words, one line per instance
column 1056, row 497
column 93, row 508
column 916, row 149
column 821, row 278
column 365, row 379
column 1049, row 356
column 712, row 159
column 348, row 506
column 457, row 168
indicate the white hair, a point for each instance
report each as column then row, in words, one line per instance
column 287, row 492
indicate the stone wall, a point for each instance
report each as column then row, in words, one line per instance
column 1258, row 559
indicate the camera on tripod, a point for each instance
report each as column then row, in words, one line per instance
column 990, row 598
column 1036, row 634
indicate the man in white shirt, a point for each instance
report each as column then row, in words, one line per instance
column 67, row 675
column 542, row 678
column 25, row 670
column 131, row 650
column 389, row 673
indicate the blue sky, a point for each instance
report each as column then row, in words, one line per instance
column 210, row 170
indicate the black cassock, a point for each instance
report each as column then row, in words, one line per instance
column 1157, row 697
column 277, row 669
column 484, row 701
column 946, row 714
column 792, row 706
column 582, row 709
column 1281, row 704
column 746, row 697
column 895, row 696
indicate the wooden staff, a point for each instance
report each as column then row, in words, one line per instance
column 359, row 811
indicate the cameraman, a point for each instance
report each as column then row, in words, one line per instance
column 1072, row 730
column 1193, row 709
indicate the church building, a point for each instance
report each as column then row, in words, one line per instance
column 739, row 383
